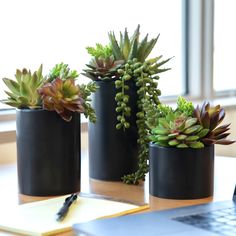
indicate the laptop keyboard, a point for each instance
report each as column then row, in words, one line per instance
column 221, row 221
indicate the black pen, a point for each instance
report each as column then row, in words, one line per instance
column 65, row 208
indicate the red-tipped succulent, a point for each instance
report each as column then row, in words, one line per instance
column 62, row 96
column 210, row 118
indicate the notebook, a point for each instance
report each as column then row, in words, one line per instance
column 39, row 218
column 217, row 218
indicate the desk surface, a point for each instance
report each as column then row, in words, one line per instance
column 225, row 178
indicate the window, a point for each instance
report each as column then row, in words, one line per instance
column 224, row 46
column 49, row 32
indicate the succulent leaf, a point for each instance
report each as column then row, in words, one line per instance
column 13, row 86
column 115, row 47
column 192, row 129
column 149, row 46
column 192, row 138
column 173, row 142
column 181, row 137
column 182, row 145
column 196, row 145
column 202, row 133
column 189, row 122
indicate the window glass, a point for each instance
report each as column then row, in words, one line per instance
column 224, row 45
column 54, row 31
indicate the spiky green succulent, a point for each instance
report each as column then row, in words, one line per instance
column 103, row 65
column 131, row 47
column 61, row 71
column 210, row 117
column 23, row 91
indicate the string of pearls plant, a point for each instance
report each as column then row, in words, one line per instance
column 127, row 63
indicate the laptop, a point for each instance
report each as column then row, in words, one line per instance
column 212, row 219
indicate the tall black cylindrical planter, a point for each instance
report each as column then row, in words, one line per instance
column 112, row 153
column 181, row 173
column 48, row 153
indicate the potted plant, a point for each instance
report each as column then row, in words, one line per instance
column 182, row 149
column 48, row 129
column 118, row 147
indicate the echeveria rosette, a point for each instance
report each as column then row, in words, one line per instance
column 62, row 96
column 101, row 68
column 178, row 130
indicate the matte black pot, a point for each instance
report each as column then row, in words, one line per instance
column 48, row 153
column 181, row 173
column 112, row 153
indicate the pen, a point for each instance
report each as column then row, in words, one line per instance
column 65, row 208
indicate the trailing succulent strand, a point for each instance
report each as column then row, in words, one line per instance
column 145, row 77
column 23, row 91
column 144, row 73
column 86, row 91
column 125, row 61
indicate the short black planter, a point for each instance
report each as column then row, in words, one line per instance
column 112, row 153
column 177, row 173
column 48, row 153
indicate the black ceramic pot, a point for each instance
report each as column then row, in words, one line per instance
column 181, row 173
column 112, row 153
column 48, row 153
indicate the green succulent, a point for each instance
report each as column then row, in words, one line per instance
column 184, row 106
column 103, row 65
column 100, row 51
column 23, row 91
column 187, row 126
column 131, row 47
column 62, row 71
column 210, row 118
column 178, row 130
column 102, row 68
